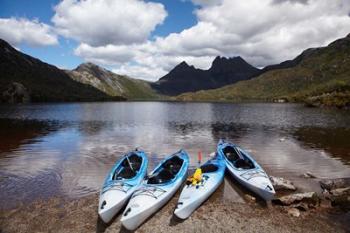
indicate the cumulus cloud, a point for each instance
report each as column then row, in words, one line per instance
column 207, row 2
column 151, row 68
column 32, row 32
column 261, row 31
column 103, row 22
column 265, row 33
column 109, row 54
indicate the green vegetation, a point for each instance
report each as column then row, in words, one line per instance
column 138, row 89
column 322, row 78
column 44, row 82
column 113, row 84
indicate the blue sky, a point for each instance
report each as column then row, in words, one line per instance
column 180, row 16
column 146, row 38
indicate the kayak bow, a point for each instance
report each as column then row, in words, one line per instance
column 246, row 170
column 123, row 179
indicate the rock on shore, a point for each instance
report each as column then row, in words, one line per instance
column 280, row 183
column 310, row 198
column 337, row 191
column 58, row 215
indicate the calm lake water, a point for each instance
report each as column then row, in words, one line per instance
column 66, row 150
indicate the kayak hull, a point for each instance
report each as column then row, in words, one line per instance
column 116, row 192
column 256, row 185
column 193, row 196
column 149, row 198
column 114, row 200
column 255, row 179
column 141, row 208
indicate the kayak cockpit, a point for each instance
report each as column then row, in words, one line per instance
column 238, row 159
column 208, row 168
column 128, row 168
column 167, row 171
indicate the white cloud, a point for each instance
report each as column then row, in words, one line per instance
column 32, row 32
column 103, row 22
column 207, row 2
column 109, row 54
column 261, row 31
column 264, row 32
column 152, row 67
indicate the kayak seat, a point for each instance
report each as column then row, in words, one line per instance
column 128, row 170
column 244, row 164
column 162, row 177
column 124, row 173
column 169, row 170
column 207, row 168
column 231, row 154
column 173, row 165
column 136, row 161
column 127, row 173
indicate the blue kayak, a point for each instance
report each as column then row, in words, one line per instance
column 193, row 195
column 121, row 182
column 156, row 190
column 246, row 170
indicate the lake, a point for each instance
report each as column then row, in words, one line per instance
column 66, row 150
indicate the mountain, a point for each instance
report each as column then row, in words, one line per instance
column 224, row 71
column 290, row 63
column 111, row 83
column 319, row 77
column 24, row 78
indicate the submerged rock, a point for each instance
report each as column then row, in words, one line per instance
column 330, row 184
column 309, row 198
column 340, row 192
column 15, row 93
column 308, row 175
column 280, row 183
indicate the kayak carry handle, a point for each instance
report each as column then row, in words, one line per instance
column 179, row 203
column 127, row 212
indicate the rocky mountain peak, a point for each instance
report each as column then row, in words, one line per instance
column 92, row 69
column 233, row 64
column 224, row 71
column 88, row 66
column 182, row 66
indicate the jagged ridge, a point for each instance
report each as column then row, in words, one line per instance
column 319, row 76
column 111, row 83
column 224, row 71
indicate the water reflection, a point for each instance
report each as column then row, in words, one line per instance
column 334, row 141
column 71, row 156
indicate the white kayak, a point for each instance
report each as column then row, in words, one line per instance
column 192, row 196
column 121, row 182
column 246, row 170
column 156, row 190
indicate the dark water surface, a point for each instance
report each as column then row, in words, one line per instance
column 67, row 149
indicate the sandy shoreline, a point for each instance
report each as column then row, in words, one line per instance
column 216, row 215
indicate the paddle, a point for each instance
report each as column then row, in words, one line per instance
column 127, row 158
column 239, row 153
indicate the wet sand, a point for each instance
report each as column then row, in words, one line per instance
column 215, row 215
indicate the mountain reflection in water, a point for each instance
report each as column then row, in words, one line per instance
column 67, row 149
